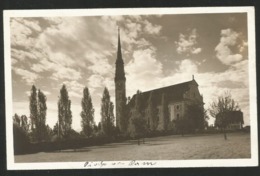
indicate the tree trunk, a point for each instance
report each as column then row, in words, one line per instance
column 143, row 140
column 138, row 141
column 225, row 134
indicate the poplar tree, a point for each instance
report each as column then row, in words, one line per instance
column 41, row 122
column 64, row 113
column 151, row 113
column 87, row 113
column 33, row 107
column 165, row 113
column 107, row 115
column 137, row 127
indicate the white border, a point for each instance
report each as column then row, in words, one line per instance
column 133, row 11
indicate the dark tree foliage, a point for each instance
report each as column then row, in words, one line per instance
column 87, row 114
column 33, row 107
column 64, row 113
column 220, row 107
column 107, row 115
column 164, row 120
column 137, row 124
column 196, row 117
column 21, row 140
column 41, row 117
column 16, row 119
column 151, row 113
column 21, row 122
column 24, row 123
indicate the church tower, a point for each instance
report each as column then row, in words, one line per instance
column 120, row 89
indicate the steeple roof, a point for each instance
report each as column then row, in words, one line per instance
column 120, row 72
column 119, row 59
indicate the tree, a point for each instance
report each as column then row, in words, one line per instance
column 16, row 119
column 55, row 129
column 64, row 113
column 164, row 116
column 33, row 107
column 151, row 113
column 220, row 107
column 87, row 113
column 41, row 117
column 182, row 125
column 137, row 127
column 24, row 123
column 196, row 117
column 107, row 115
column 48, row 133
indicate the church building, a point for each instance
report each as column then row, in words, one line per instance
column 177, row 98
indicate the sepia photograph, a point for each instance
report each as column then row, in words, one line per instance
column 130, row 88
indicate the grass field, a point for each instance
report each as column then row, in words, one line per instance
column 173, row 147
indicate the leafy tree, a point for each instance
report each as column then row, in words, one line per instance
column 164, row 120
column 21, row 122
column 220, row 107
column 137, row 125
column 16, row 119
column 41, row 117
column 196, row 117
column 64, row 113
column 182, row 125
column 24, row 123
column 20, row 139
column 33, row 107
column 87, row 114
column 48, row 133
column 107, row 115
column 151, row 113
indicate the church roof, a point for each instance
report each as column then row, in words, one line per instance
column 173, row 92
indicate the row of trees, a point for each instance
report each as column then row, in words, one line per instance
column 140, row 122
column 38, row 131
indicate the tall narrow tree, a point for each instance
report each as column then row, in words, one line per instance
column 33, row 107
column 137, row 127
column 107, row 115
column 41, row 122
column 164, row 115
column 64, row 113
column 151, row 113
column 87, row 113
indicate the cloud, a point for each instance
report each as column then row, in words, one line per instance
column 99, row 64
column 150, row 28
column 143, row 72
column 46, row 93
column 187, row 44
column 22, row 32
column 21, row 55
column 26, row 75
column 229, row 38
column 213, row 84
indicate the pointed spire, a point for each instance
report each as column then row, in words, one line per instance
column 120, row 72
column 119, row 53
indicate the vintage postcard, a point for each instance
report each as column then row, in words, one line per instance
column 130, row 88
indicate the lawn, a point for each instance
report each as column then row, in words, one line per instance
column 173, row 147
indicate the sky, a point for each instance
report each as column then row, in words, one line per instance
column 158, row 51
